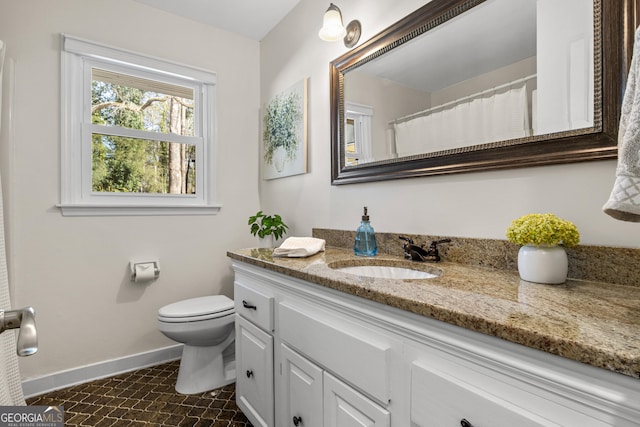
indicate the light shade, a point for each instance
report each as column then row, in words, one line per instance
column 332, row 28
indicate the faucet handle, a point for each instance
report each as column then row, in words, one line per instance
column 28, row 336
column 406, row 239
column 434, row 243
column 24, row 319
column 433, row 248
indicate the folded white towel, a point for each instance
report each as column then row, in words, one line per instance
column 298, row 247
column 624, row 201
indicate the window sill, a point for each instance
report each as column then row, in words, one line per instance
column 136, row 210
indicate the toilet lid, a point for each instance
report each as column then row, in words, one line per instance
column 197, row 307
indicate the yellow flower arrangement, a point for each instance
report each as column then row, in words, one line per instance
column 543, row 229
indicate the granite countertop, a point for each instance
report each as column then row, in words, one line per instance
column 590, row 322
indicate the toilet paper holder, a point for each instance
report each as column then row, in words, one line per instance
column 134, row 264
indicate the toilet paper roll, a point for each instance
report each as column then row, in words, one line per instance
column 144, row 272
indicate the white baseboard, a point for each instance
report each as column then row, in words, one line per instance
column 63, row 379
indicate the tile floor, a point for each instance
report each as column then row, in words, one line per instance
column 144, row 398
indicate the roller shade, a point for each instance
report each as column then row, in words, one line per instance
column 127, row 80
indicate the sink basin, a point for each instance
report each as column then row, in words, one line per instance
column 386, row 272
column 386, row 269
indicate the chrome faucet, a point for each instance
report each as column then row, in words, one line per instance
column 419, row 253
column 25, row 319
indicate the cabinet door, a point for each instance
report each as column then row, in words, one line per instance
column 254, row 367
column 302, row 381
column 345, row 407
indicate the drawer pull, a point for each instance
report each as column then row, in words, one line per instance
column 249, row 306
column 297, row 421
column 249, row 373
column 465, row 423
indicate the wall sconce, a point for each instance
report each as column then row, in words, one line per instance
column 333, row 30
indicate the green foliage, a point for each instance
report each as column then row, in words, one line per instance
column 122, row 164
column 543, row 229
column 265, row 225
column 281, row 122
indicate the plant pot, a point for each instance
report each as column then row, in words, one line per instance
column 266, row 242
column 543, row 264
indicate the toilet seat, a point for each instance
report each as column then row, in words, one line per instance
column 196, row 309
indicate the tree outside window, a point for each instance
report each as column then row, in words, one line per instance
column 135, row 165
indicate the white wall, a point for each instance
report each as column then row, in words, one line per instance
column 391, row 101
column 497, row 77
column 74, row 270
column 466, row 205
column 568, row 52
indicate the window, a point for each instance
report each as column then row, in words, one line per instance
column 358, row 146
column 137, row 134
column 351, row 150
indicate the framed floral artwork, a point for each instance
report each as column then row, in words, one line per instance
column 284, row 133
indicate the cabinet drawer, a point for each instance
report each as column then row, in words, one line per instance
column 254, row 367
column 254, row 304
column 353, row 352
column 441, row 398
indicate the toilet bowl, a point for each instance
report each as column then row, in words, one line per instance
column 206, row 327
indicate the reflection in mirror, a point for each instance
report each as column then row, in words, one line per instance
column 463, row 85
column 358, row 137
column 505, row 69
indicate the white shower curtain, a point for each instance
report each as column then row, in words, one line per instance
column 492, row 117
column 10, row 384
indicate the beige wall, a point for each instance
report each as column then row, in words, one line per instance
column 391, row 101
column 465, row 205
column 74, row 270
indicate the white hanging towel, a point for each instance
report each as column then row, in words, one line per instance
column 624, row 201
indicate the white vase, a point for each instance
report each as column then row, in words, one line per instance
column 279, row 158
column 543, row 264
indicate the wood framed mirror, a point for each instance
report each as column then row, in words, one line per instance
column 565, row 68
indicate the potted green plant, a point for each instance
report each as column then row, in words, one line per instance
column 263, row 225
column 542, row 258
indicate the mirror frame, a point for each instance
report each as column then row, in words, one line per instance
column 618, row 21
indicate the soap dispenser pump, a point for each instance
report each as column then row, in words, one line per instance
column 365, row 244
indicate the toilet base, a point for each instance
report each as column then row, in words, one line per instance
column 203, row 369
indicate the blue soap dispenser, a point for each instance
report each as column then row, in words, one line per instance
column 365, row 244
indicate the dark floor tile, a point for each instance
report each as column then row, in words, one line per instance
column 106, row 422
column 156, row 406
column 144, row 398
column 76, row 419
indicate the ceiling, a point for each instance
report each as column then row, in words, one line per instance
column 491, row 35
column 250, row 18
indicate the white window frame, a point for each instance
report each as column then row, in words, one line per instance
column 362, row 116
column 79, row 56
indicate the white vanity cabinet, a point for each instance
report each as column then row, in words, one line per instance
column 254, row 352
column 347, row 350
column 340, row 360
column 312, row 397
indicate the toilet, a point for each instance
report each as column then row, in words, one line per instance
column 206, row 327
